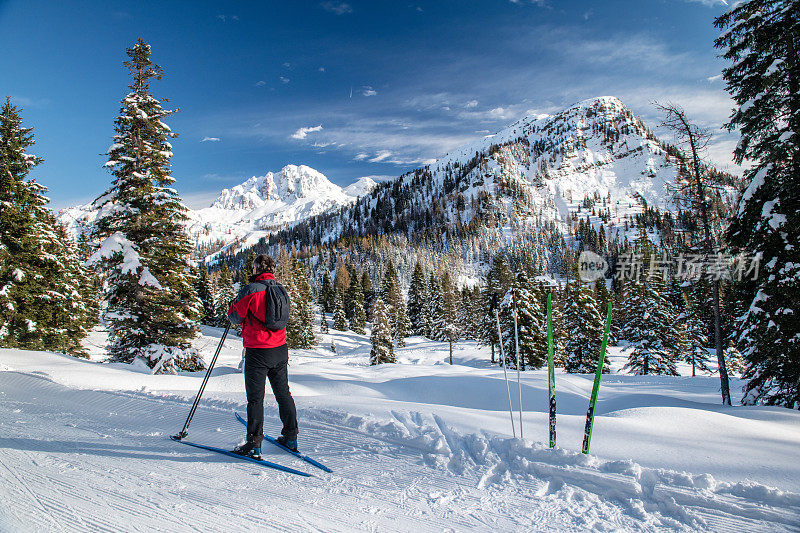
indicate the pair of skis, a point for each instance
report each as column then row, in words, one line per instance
column 262, row 462
column 551, row 379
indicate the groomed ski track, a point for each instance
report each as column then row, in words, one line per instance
column 83, row 460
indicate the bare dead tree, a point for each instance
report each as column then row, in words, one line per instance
column 691, row 141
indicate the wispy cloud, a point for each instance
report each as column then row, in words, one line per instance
column 226, row 18
column 302, row 133
column 321, row 69
column 339, row 8
column 284, row 79
column 471, row 104
column 368, row 91
column 210, row 139
column 260, row 83
column 713, row 79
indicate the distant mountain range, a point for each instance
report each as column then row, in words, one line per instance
column 594, row 160
column 243, row 214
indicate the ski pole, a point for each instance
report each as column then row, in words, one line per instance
column 184, row 432
column 519, row 359
column 587, row 432
column 505, row 373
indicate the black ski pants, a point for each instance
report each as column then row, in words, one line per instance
column 260, row 364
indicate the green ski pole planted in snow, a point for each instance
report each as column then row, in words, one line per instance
column 551, row 375
column 587, row 434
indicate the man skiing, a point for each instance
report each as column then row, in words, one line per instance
column 262, row 307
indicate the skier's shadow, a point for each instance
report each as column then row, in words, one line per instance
column 57, row 447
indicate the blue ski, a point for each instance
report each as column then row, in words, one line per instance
column 268, row 464
column 305, row 458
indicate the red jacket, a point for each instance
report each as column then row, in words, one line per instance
column 250, row 303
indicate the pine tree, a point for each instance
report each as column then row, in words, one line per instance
column 152, row 306
column 326, row 295
column 395, row 305
column 532, row 333
column 498, row 281
column 382, row 345
column 339, row 318
column 368, row 291
column 45, row 294
column 224, row 295
column 649, row 320
column 435, row 318
column 205, row 292
column 300, row 330
column 761, row 41
column 417, row 298
column 583, row 329
column 696, row 344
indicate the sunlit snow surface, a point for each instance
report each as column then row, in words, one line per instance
column 420, row 445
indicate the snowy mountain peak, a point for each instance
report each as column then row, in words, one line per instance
column 292, row 182
column 362, row 187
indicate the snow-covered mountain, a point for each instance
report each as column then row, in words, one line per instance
column 243, row 214
column 595, row 158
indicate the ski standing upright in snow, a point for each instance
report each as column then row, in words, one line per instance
column 551, row 375
column 587, row 434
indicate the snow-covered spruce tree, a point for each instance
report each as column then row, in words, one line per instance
column 358, row 317
column 382, row 345
column 205, row 291
column 368, row 291
column 498, row 281
column 761, row 38
column 532, row 335
column 417, row 297
column 45, row 295
column 696, row 344
column 583, row 326
column 649, row 320
column 152, row 306
column 224, row 295
column 434, row 317
column 300, row 330
column 339, row 318
column 395, row 305
column 326, row 295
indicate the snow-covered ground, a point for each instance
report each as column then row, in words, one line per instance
column 420, row 445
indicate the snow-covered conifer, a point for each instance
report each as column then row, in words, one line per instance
column 417, row 298
column 46, row 300
column 760, row 38
column 582, row 325
column 205, row 292
column 224, row 295
column 382, row 345
column 649, row 320
column 339, row 318
column 358, row 317
column 395, row 305
column 152, row 305
column 300, row 330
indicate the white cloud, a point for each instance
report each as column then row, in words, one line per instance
column 284, row 80
column 368, row 91
column 210, row 139
column 321, row 69
column 471, row 104
column 302, row 133
column 380, row 156
column 260, row 83
column 339, row 8
column 712, row 79
column 360, row 157
column 287, row 65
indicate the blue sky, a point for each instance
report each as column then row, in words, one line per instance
column 351, row 88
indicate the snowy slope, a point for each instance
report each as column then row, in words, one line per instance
column 420, row 445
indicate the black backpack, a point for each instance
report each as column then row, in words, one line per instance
column 277, row 305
